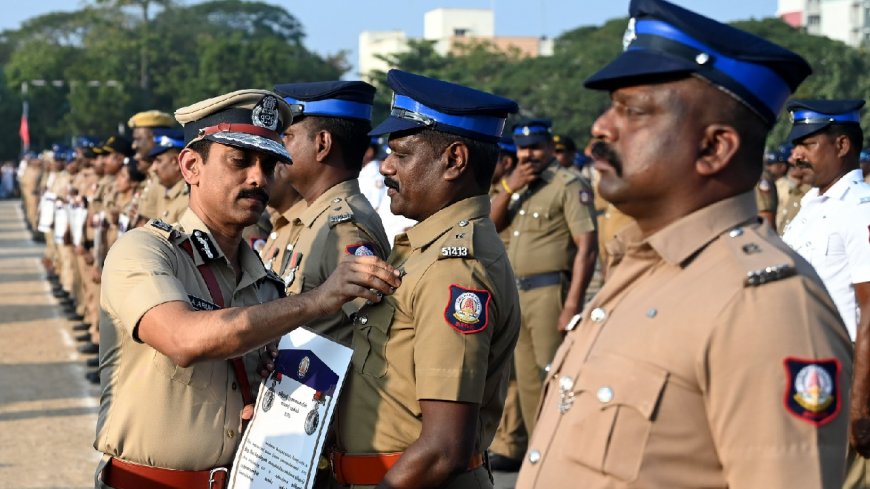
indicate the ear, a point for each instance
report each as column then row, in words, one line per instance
column 719, row 144
column 323, row 145
column 843, row 145
column 455, row 158
column 190, row 163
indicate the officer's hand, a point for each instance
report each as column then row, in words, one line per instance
column 96, row 275
column 367, row 277
column 522, row 175
column 247, row 412
column 267, row 356
column 564, row 318
column 89, row 258
column 859, row 436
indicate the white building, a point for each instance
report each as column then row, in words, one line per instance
column 444, row 25
column 374, row 45
column 843, row 20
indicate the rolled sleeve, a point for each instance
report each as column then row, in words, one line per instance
column 578, row 214
column 139, row 275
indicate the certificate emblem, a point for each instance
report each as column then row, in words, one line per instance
column 311, row 421
column 304, row 365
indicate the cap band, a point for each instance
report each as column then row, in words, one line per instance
column 242, row 128
column 529, row 130
column 168, row 142
column 760, row 81
column 812, row 117
column 510, row 148
column 409, row 109
column 332, row 108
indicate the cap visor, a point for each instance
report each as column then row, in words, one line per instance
column 157, row 151
column 394, row 124
column 523, row 140
column 801, row 131
column 637, row 66
column 252, row 142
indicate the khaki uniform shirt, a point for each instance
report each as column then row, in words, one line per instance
column 683, row 374
column 151, row 194
column 544, row 219
column 765, row 193
column 340, row 222
column 790, row 195
column 173, row 202
column 448, row 333
column 153, row 412
column 282, row 235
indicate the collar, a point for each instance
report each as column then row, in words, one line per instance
column 322, row 203
column 683, row 238
column 179, row 188
column 841, row 188
column 252, row 267
column 428, row 230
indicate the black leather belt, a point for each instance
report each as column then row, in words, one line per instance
column 539, row 280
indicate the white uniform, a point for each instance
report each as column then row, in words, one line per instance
column 832, row 232
column 371, row 184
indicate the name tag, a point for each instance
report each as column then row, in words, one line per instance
column 201, row 304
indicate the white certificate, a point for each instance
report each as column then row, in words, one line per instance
column 46, row 212
column 77, row 225
column 294, row 407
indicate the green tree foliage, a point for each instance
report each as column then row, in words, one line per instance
column 553, row 86
column 159, row 53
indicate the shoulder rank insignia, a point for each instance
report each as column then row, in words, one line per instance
column 467, row 310
column 157, row 223
column 204, row 245
column 338, row 218
column 201, row 304
column 813, row 389
column 768, row 274
column 361, row 249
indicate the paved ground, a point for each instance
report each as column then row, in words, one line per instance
column 47, row 409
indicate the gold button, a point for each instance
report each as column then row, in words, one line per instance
column 231, row 433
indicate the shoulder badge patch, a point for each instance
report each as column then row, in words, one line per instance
column 467, row 310
column 361, row 249
column 764, row 185
column 812, row 392
column 157, row 223
column 585, row 197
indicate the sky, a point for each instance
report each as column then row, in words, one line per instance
column 334, row 25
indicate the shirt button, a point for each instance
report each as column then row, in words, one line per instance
column 604, row 394
column 534, row 457
column 336, row 200
column 463, row 223
column 535, row 215
column 522, row 212
column 274, row 235
column 231, row 433
column 736, row 232
column 363, row 320
column 598, row 315
column 234, row 386
column 516, row 233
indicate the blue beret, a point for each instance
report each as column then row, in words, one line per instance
column 532, row 131
column 811, row 116
column 664, row 40
column 420, row 102
column 345, row 99
column 166, row 139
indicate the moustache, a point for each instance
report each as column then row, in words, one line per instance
column 803, row 164
column 602, row 151
column 390, row 183
column 254, row 193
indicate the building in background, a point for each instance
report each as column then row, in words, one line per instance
column 449, row 29
column 843, row 20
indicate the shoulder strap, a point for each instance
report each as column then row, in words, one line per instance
column 217, row 297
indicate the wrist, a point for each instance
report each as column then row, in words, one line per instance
column 506, row 187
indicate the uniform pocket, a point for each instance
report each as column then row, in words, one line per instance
column 198, row 376
column 371, row 332
column 835, row 246
column 611, row 414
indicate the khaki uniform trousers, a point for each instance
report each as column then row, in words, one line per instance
column 537, row 344
column 857, row 471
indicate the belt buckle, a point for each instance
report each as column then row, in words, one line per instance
column 212, row 472
column 521, row 283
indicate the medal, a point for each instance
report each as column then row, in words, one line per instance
column 566, row 393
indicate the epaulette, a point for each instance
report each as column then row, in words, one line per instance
column 458, row 242
column 859, row 193
column 762, row 261
column 566, row 176
column 160, row 228
column 339, row 212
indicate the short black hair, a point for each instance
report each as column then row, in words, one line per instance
column 851, row 131
column 482, row 155
column 351, row 135
column 201, row 147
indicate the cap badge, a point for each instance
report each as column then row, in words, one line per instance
column 265, row 113
column 630, row 34
column 526, row 131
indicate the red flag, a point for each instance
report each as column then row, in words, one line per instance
column 24, row 128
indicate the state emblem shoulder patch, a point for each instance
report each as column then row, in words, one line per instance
column 467, row 310
column 361, row 249
column 812, row 392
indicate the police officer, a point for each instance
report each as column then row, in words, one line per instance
column 328, row 138
column 791, row 189
column 173, row 198
column 285, row 204
column 548, row 212
column 147, row 127
column 766, row 195
column 692, row 367
column 181, row 300
column 831, row 232
column 431, row 363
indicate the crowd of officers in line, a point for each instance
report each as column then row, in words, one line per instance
column 543, row 201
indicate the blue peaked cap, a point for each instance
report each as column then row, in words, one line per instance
column 532, row 131
column 166, row 139
column 422, row 102
column 666, row 41
column 811, row 116
column 343, row 99
column 506, row 144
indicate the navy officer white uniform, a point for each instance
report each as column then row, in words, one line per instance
column 712, row 356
